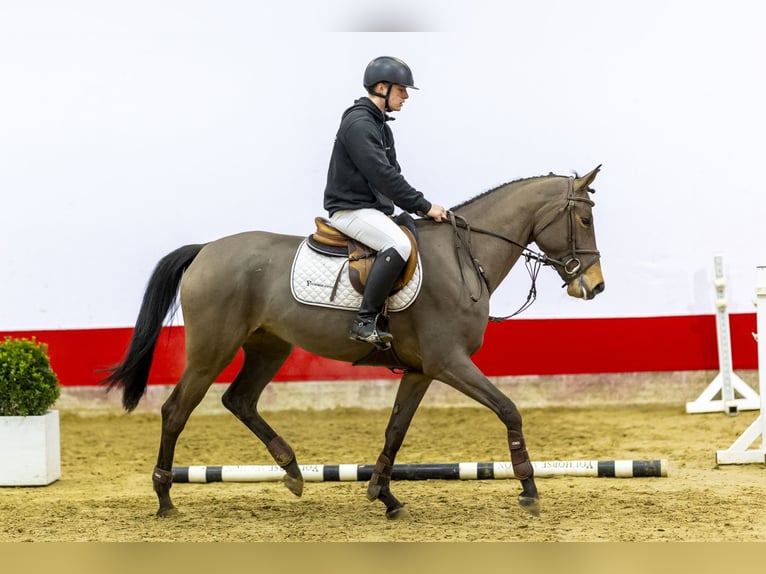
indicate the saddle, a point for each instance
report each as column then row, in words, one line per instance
column 330, row 241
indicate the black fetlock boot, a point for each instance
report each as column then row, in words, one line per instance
column 383, row 274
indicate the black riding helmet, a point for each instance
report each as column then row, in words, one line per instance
column 390, row 71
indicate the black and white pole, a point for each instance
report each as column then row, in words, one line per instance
column 726, row 383
column 438, row 471
column 740, row 452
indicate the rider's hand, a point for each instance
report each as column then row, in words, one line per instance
column 437, row 213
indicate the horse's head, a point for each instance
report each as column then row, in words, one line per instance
column 564, row 231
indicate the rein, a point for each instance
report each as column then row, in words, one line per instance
column 534, row 260
column 533, row 269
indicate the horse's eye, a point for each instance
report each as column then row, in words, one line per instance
column 586, row 221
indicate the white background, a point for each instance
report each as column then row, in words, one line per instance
column 128, row 129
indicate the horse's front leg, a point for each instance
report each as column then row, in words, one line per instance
column 412, row 387
column 464, row 376
column 523, row 470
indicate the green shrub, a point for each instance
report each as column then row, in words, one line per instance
column 28, row 385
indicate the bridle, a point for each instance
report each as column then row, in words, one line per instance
column 572, row 266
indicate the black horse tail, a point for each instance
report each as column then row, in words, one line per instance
column 133, row 373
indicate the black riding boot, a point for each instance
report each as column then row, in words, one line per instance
column 384, row 272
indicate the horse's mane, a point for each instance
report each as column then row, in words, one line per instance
column 494, row 189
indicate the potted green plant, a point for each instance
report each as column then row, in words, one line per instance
column 30, row 447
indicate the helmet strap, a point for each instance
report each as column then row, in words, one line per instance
column 385, row 96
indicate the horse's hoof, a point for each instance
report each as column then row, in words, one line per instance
column 294, row 485
column 400, row 513
column 531, row 505
column 167, row 512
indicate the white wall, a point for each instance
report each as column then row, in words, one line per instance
column 130, row 128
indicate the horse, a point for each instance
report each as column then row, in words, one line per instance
column 234, row 294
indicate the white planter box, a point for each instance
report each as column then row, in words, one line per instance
column 30, row 450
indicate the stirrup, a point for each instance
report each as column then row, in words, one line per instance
column 368, row 332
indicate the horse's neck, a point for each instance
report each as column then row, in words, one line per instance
column 509, row 211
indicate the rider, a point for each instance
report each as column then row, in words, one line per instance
column 364, row 182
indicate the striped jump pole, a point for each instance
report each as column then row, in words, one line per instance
column 448, row 471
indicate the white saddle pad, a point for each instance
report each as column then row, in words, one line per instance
column 313, row 277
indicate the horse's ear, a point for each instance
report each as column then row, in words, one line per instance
column 585, row 181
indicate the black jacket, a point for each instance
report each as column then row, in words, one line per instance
column 363, row 169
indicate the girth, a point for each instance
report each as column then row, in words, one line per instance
column 330, row 241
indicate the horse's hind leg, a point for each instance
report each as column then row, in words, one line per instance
column 207, row 354
column 264, row 355
column 186, row 395
column 411, row 390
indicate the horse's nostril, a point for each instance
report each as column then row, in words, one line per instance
column 598, row 288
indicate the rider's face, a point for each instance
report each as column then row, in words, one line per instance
column 397, row 97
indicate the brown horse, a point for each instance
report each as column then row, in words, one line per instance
column 235, row 293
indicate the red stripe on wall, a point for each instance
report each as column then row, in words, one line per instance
column 515, row 347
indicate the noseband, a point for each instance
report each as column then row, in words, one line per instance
column 571, row 266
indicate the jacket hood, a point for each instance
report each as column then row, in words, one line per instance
column 365, row 104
